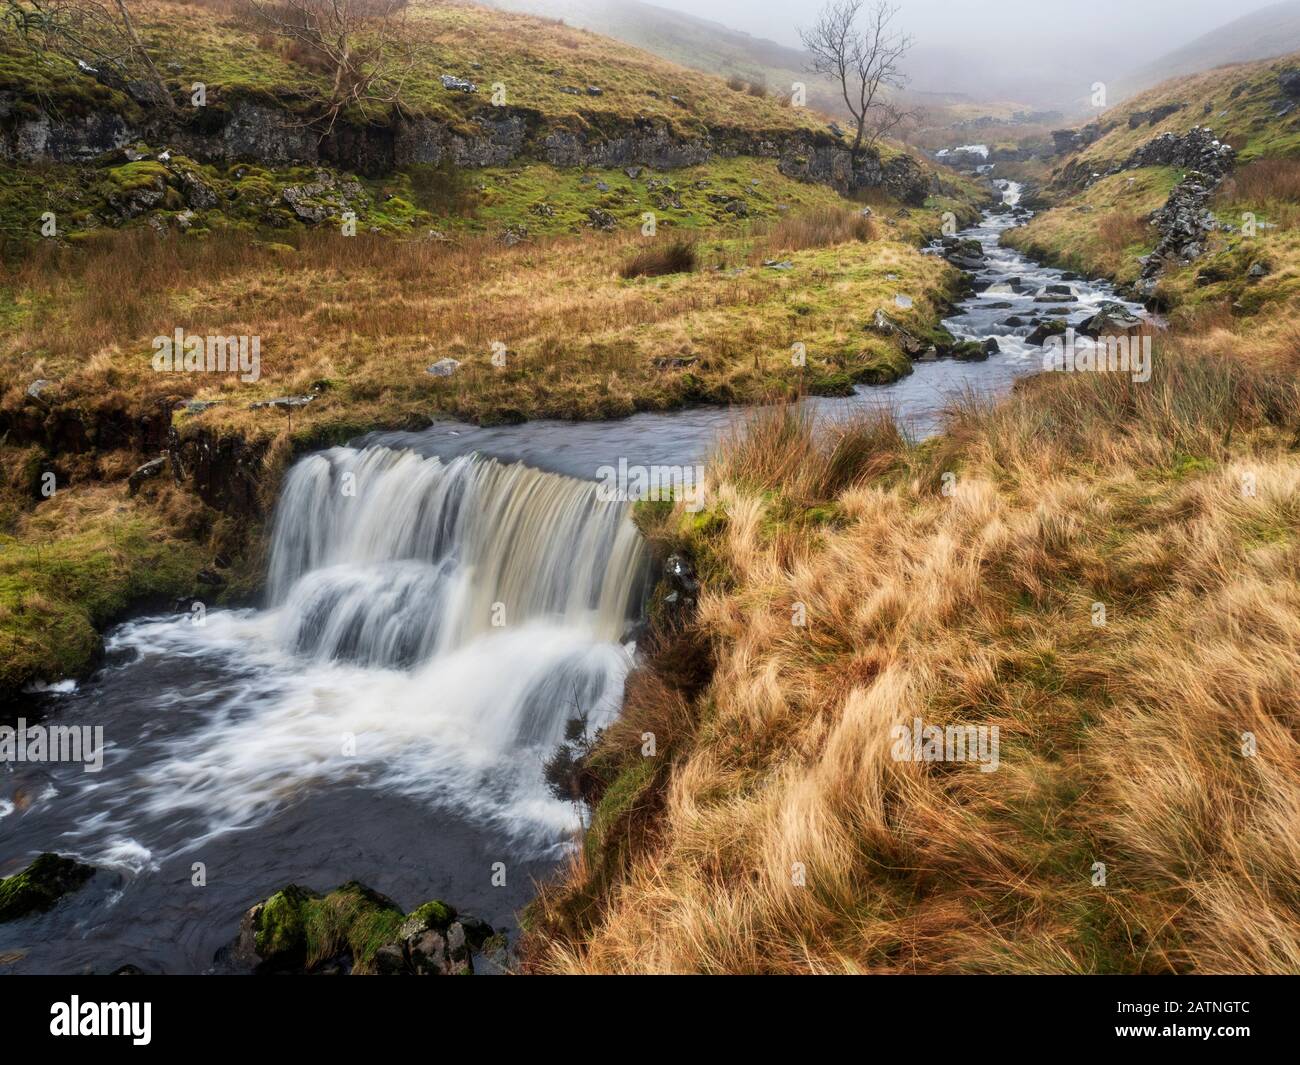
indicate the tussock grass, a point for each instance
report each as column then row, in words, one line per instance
column 674, row 257
column 816, row 229
column 1264, row 180
column 777, row 834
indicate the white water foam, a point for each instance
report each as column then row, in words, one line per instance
column 432, row 627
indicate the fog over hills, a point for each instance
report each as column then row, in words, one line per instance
column 1046, row 53
column 1262, row 34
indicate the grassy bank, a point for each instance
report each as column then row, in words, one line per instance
column 356, row 321
column 773, row 830
column 80, row 560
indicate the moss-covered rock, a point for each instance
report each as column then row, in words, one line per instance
column 354, row 929
column 41, row 885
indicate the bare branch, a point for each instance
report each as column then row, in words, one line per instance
column 854, row 44
column 360, row 45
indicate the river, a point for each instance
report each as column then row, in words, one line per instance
column 438, row 605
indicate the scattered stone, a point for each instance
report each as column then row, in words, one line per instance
column 133, row 202
column 1258, row 270
column 197, row 192
column 1153, row 117
column 41, row 885
column 454, row 84
column 595, row 90
column 600, row 219
column 1111, row 319
column 512, row 235
column 908, row 343
column 778, row 264
column 37, row 388
column 602, row 186
column 317, row 201
column 1289, row 80
column 633, row 172
column 443, row 368
column 1043, row 330
column 150, row 469
column 905, row 302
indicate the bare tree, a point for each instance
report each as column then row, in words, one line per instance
column 854, row 44
column 361, row 45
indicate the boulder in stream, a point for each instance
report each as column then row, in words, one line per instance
column 41, row 885
column 1111, row 319
column 1043, row 330
column 354, row 930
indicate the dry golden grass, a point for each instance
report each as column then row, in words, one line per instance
column 814, row 229
column 1175, row 503
column 360, row 320
column 674, row 257
column 1119, row 230
column 1273, row 179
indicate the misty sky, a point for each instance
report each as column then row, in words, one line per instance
column 985, row 47
column 1145, row 26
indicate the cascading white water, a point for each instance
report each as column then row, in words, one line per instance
column 389, row 558
column 432, row 627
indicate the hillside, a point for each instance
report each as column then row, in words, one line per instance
column 1200, row 172
column 221, row 44
column 699, row 43
column 1264, row 34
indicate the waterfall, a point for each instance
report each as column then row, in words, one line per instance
column 389, row 558
column 431, row 628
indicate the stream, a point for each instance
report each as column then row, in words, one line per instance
column 438, row 605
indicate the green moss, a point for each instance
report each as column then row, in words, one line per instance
column 40, row 885
column 619, row 799
column 300, row 928
column 280, row 933
column 432, row 914
column 138, row 175
column 57, row 586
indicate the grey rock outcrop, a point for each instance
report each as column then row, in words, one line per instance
column 245, row 129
